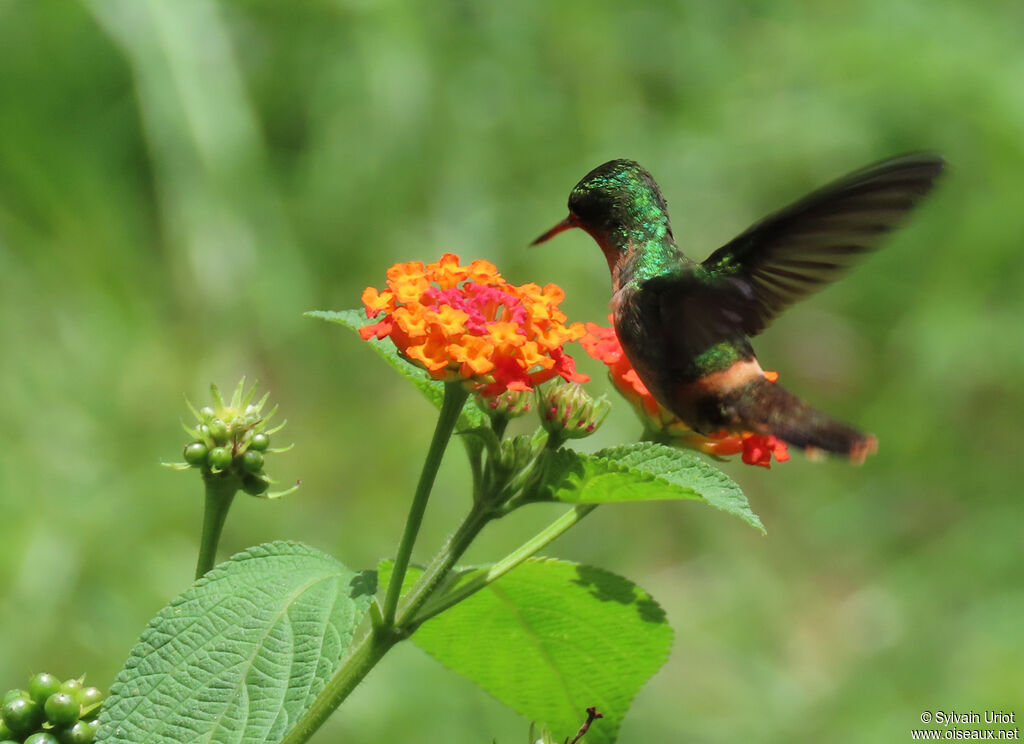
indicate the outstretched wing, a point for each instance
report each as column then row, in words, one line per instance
column 743, row 285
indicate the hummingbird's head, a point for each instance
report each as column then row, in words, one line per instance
column 619, row 204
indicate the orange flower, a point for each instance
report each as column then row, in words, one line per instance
column 759, row 450
column 602, row 344
column 467, row 322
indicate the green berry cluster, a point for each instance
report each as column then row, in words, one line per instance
column 230, row 440
column 230, row 446
column 50, row 712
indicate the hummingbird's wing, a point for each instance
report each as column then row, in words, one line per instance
column 796, row 251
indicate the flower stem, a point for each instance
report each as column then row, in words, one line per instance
column 454, row 398
column 365, row 655
column 418, row 606
column 362, row 658
column 499, row 424
column 442, row 563
column 375, row 644
column 506, row 564
column 220, row 492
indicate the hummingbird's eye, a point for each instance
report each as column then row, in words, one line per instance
column 584, row 205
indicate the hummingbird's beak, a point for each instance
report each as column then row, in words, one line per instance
column 568, row 222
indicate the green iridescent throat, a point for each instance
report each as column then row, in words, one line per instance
column 653, row 256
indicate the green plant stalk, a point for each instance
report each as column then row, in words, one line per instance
column 454, row 398
column 220, row 493
column 528, row 549
column 375, row 644
column 555, row 440
column 499, row 425
column 372, row 648
column 481, row 513
column 484, row 510
column 385, row 633
column 474, row 453
column 442, row 563
column 363, row 657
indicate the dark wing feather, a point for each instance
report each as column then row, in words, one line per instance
column 796, row 251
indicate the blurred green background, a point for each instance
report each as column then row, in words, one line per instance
column 180, row 181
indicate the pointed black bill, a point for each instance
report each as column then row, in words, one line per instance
column 565, row 224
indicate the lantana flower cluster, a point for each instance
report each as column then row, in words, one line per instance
column 467, row 323
column 602, row 344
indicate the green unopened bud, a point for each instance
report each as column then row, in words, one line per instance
column 83, row 732
column 567, row 411
column 507, row 405
column 90, row 697
column 252, row 461
column 195, row 453
column 22, row 715
column 16, row 693
column 516, row 453
column 254, row 485
column 41, row 686
column 219, row 431
column 220, row 458
column 231, row 440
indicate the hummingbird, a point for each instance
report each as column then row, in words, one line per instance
column 686, row 326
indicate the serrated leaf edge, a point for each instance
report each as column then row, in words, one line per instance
column 707, row 470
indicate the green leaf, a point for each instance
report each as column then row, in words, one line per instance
column 470, row 417
column 242, row 653
column 552, row 638
column 642, row 472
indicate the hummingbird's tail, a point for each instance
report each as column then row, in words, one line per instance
column 768, row 408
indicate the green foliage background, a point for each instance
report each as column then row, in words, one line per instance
column 180, row 181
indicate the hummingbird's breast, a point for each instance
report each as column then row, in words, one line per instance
column 638, row 333
column 684, row 376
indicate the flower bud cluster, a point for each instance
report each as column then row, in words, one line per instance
column 230, row 440
column 50, row 711
column 509, row 404
column 567, row 411
column 513, row 455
